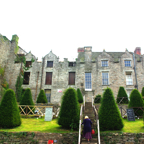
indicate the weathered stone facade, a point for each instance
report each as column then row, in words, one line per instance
column 88, row 72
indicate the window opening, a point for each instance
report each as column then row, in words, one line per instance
column 71, row 78
column 127, row 63
column 88, row 81
column 104, row 63
column 105, row 79
column 26, row 78
column 49, row 63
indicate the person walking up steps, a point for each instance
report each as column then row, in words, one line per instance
column 87, row 128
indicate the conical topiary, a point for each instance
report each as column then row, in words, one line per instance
column 79, row 95
column 142, row 93
column 69, row 110
column 9, row 112
column 42, row 97
column 136, row 101
column 27, row 100
column 122, row 93
column 109, row 114
column 97, row 99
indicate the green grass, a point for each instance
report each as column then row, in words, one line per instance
column 136, row 126
column 38, row 125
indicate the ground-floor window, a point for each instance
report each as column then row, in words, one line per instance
column 48, row 95
column 26, row 78
column 105, row 78
column 88, row 85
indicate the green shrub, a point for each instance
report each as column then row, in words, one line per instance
column 136, row 101
column 9, row 112
column 142, row 93
column 79, row 95
column 109, row 114
column 69, row 110
column 42, row 97
column 97, row 99
column 27, row 100
column 122, row 93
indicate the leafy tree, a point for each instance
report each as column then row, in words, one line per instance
column 97, row 99
column 122, row 93
column 109, row 114
column 9, row 112
column 27, row 100
column 69, row 111
column 79, row 95
column 42, row 97
column 136, row 101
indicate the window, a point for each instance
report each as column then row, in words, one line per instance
column 48, row 78
column 49, row 63
column 105, row 78
column 104, row 63
column 26, row 78
column 88, row 81
column 71, row 78
column 127, row 63
column 72, row 64
column 48, row 95
column 28, row 63
column 129, row 80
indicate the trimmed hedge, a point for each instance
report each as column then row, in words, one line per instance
column 42, row 97
column 109, row 114
column 142, row 93
column 136, row 101
column 69, row 110
column 79, row 95
column 122, row 93
column 97, row 99
column 27, row 100
column 9, row 112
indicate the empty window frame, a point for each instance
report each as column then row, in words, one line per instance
column 104, row 63
column 48, row 78
column 28, row 63
column 49, row 63
column 26, row 78
column 48, row 95
column 105, row 78
column 71, row 78
column 88, row 85
column 72, row 64
column 127, row 63
column 129, row 80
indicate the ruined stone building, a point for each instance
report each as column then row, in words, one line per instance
column 92, row 72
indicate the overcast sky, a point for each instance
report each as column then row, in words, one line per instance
column 64, row 25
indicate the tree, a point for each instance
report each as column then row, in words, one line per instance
column 42, row 97
column 27, row 100
column 142, row 93
column 122, row 93
column 9, row 112
column 79, row 95
column 136, row 101
column 69, row 110
column 109, row 114
column 97, row 99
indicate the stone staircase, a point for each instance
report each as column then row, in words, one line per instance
column 90, row 113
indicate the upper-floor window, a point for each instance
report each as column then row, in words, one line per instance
column 72, row 64
column 49, row 63
column 129, row 80
column 127, row 63
column 26, row 78
column 71, row 78
column 105, row 78
column 28, row 63
column 48, row 78
column 104, row 63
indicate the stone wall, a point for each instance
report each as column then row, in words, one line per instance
column 69, row 138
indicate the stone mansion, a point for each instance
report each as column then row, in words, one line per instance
column 92, row 72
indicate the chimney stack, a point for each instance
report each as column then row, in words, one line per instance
column 137, row 50
column 80, row 50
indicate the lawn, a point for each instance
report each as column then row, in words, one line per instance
column 35, row 125
column 136, row 126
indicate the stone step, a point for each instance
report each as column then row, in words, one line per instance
column 92, row 141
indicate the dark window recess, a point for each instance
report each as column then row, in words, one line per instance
column 49, row 78
column 71, row 78
column 72, row 64
column 28, row 63
column 48, row 95
column 26, row 78
column 49, row 63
